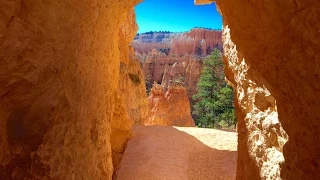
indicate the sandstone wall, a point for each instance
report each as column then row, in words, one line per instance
column 271, row 50
column 59, row 72
column 133, row 88
column 131, row 105
column 169, row 108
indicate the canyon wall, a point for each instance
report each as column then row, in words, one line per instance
column 162, row 69
column 176, row 56
column 131, row 100
column 271, row 52
column 134, row 88
column 197, row 41
column 59, row 87
column 131, row 105
column 169, row 108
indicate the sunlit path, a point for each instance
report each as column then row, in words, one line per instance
column 174, row 153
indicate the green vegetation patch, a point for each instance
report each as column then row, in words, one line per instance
column 214, row 107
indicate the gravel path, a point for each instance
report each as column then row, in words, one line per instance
column 179, row 153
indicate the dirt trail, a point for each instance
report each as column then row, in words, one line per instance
column 176, row 153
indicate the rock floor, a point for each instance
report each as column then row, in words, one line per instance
column 179, row 153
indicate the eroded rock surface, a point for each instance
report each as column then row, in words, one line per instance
column 163, row 69
column 59, row 80
column 169, row 108
column 271, row 55
column 176, row 56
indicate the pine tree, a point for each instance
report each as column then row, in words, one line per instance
column 214, row 107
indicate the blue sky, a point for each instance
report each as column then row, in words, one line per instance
column 175, row 15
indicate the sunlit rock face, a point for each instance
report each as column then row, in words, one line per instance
column 196, row 42
column 162, row 69
column 169, row 108
column 271, row 54
column 176, row 56
column 59, row 80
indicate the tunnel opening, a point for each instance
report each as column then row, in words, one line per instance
column 174, row 59
column 64, row 111
column 261, row 136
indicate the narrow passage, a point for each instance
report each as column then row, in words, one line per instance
column 179, row 153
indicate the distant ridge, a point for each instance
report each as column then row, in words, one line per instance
column 169, row 32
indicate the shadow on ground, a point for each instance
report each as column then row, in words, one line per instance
column 176, row 153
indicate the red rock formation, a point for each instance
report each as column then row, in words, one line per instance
column 171, row 108
column 187, row 72
column 176, row 56
column 197, row 41
column 161, row 68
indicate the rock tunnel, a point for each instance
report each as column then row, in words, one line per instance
column 62, row 115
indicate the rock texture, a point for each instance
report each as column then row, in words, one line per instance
column 196, row 42
column 170, row 108
column 59, row 97
column 131, row 106
column 164, row 69
column 274, row 66
column 176, row 56
column 132, row 87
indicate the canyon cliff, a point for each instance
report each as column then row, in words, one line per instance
column 176, row 56
column 197, row 41
column 162, row 69
column 169, row 108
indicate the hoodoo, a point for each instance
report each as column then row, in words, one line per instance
column 169, row 108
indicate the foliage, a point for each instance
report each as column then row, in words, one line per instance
column 151, row 32
column 148, row 84
column 198, row 51
column 211, row 29
column 214, row 106
column 164, row 50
